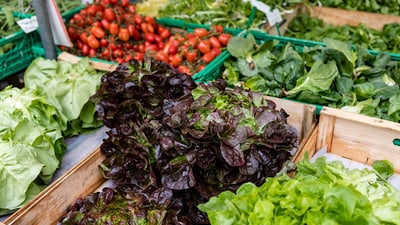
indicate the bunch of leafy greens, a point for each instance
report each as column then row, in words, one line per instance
column 336, row 75
column 391, row 7
column 319, row 193
column 230, row 14
column 307, row 27
column 68, row 87
column 34, row 121
column 196, row 141
column 31, row 145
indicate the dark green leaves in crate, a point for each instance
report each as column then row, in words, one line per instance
column 336, row 75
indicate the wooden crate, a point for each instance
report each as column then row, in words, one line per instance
column 85, row 178
column 339, row 17
column 355, row 137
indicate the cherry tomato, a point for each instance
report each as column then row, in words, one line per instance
column 123, row 34
column 192, row 42
column 162, row 56
column 105, row 23
column 208, row 57
column 132, row 8
column 124, row 3
column 114, row 28
column 109, row 14
column 173, row 49
column 113, row 1
column 150, row 20
column 83, row 36
column 98, row 32
column 165, row 34
column 92, row 52
column 200, row 68
column 104, row 43
column 217, row 28
column 215, row 42
column 139, row 56
column 176, row 60
column 93, row 42
column 200, row 32
column 117, row 53
column 150, row 37
column 184, row 69
column 203, row 46
column 216, row 51
column 191, row 56
column 138, row 19
column 85, row 49
column 224, row 38
column 105, row 53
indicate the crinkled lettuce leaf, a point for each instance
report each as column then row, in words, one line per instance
column 320, row 193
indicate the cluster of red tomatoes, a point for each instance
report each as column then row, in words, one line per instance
column 113, row 31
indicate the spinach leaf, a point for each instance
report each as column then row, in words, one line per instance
column 318, row 79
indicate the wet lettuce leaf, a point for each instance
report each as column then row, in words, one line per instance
column 319, row 193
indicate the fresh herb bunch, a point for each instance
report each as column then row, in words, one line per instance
column 194, row 140
column 307, row 27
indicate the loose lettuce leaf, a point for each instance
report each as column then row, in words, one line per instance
column 318, row 79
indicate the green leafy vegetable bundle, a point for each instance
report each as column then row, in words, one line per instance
column 232, row 14
column 68, row 87
column 194, row 141
column 319, row 193
column 307, row 27
column 391, row 7
column 34, row 121
column 336, row 75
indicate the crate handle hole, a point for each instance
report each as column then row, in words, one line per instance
column 396, row 141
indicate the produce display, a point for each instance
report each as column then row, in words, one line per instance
column 174, row 143
column 319, row 193
column 336, row 75
column 307, row 27
column 115, row 32
column 34, row 122
column 391, row 7
column 232, row 14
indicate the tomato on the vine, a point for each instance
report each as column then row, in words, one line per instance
column 105, row 23
column 191, row 56
column 98, row 32
column 208, row 57
column 215, row 51
column 103, row 43
column 176, row 60
column 93, row 42
column 109, row 14
column 114, row 28
column 200, row 32
column 162, row 56
column 184, row 69
column 224, row 38
column 204, row 46
column 123, row 34
column 215, row 42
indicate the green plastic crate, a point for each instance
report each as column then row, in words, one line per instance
column 21, row 55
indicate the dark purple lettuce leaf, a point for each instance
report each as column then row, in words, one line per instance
column 179, row 143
